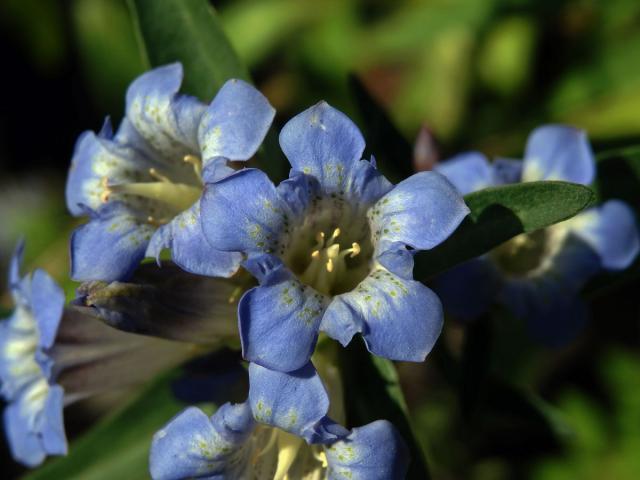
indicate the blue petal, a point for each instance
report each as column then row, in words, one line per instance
column 421, row 211
column 507, row 170
column 399, row 319
column 279, row 322
column 468, row 290
column 550, row 302
column 243, row 212
column 167, row 121
column 468, row 172
column 110, row 246
column 325, row 143
column 25, row 445
column 557, row 152
column 192, row 445
column 51, row 423
column 373, row 452
column 235, row 123
column 190, row 249
column 20, row 288
column 95, row 158
column 296, row 402
column 611, row 231
column 47, row 304
column 298, row 191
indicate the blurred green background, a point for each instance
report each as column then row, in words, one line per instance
column 475, row 74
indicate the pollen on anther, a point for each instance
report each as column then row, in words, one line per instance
column 355, row 249
column 329, row 265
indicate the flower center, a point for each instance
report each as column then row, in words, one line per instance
column 160, row 196
column 328, row 262
column 529, row 253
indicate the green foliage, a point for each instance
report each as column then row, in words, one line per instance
column 500, row 213
column 118, row 447
column 188, row 31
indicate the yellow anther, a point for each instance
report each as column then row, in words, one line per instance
column 336, row 233
column 158, row 176
column 195, row 161
column 329, row 265
column 104, row 196
column 315, row 254
column 355, row 249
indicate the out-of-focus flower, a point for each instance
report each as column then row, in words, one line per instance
column 329, row 246
column 141, row 186
column 264, row 438
column 539, row 275
column 52, row 355
column 33, row 418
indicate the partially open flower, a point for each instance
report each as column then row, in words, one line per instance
column 141, row 186
column 264, row 438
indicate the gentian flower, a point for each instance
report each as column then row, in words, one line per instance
column 51, row 356
column 141, row 186
column 265, row 437
column 33, row 417
column 538, row 275
column 332, row 246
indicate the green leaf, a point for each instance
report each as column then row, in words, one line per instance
column 500, row 213
column 188, row 31
column 118, row 447
column 373, row 392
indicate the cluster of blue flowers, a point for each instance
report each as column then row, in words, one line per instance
column 330, row 248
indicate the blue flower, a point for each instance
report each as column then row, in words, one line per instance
column 538, row 275
column 141, row 186
column 265, row 437
column 33, row 418
column 332, row 246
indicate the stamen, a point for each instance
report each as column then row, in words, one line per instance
column 329, row 265
column 334, row 235
column 355, row 249
column 315, row 254
column 235, row 294
column 158, row 176
column 196, row 162
column 104, row 196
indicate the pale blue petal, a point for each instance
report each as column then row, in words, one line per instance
column 279, row 322
column 399, row 319
column 167, row 121
column 24, row 444
column 296, row 402
column 507, row 170
column 190, row 249
column 373, row 452
column 97, row 158
column 468, row 172
column 47, row 304
column 611, row 230
column 325, row 143
column 243, row 213
column 235, row 123
column 421, row 211
column 51, row 423
column 193, row 446
column 558, row 152
column 110, row 246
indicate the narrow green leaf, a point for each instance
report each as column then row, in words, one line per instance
column 188, row 31
column 118, row 447
column 392, row 151
column 500, row 213
column 373, row 392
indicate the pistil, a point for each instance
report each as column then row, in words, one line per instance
column 177, row 196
